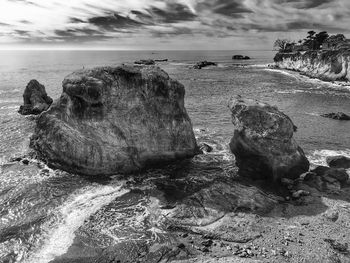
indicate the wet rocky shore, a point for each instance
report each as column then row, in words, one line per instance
column 265, row 205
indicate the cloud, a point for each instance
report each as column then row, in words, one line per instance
column 172, row 13
column 178, row 23
column 230, row 8
column 113, row 22
column 302, row 4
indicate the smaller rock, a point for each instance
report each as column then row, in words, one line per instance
column 338, row 162
column 203, row 64
column 25, row 161
column 307, row 176
column 332, row 215
column 207, row 243
column 300, row 193
column 144, row 62
column 287, row 182
column 342, row 248
column 204, row 249
column 161, row 60
column 181, row 246
column 206, row 148
column 337, row 116
column 240, row 57
column 35, row 99
column 16, row 159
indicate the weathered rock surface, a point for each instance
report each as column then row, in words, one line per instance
column 240, row 57
column 35, row 99
column 115, row 120
column 145, row 62
column 327, row 65
column 263, row 142
column 338, row 162
column 337, row 116
column 203, row 64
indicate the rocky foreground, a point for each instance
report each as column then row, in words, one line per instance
column 268, row 208
column 115, row 120
column 330, row 65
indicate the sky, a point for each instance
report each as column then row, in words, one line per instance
column 166, row 24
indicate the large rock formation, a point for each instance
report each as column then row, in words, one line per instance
column 327, row 65
column 35, row 99
column 263, row 142
column 115, row 120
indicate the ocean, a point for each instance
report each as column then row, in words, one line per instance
column 42, row 210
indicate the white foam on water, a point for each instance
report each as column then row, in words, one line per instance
column 319, row 157
column 70, row 216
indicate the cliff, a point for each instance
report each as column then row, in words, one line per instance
column 115, row 120
column 328, row 65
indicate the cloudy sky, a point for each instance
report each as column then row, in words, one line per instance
column 165, row 24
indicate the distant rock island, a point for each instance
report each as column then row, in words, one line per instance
column 318, row 56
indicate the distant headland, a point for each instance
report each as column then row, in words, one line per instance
column 319, row 55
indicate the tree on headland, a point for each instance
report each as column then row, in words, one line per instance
column 282, row 45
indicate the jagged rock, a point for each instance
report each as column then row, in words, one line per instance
column 203, row 64
column 240, row 57
column 337, row 116
column 144, row 62
column 263, row 142
column 35, row 99
column 161, row 60
column 115, row 120
column 338, row 174
column 338, row 162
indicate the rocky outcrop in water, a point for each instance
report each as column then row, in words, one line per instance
column 35, row 99
column 338, row 162
column 240, row 57
column 263, row 142
column 330, row 65
column 337, row 116
column 145, row 62
column 203, row 64
column 115, row 120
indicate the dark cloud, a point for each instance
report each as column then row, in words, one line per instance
column 174, row 32
column 22, row 32
column 76, row 20
column 230, row 8
column 173, row 13
column 25, row 22
column 288, row 26
column 79, row 35
column 4, row 24
column 114, row 22
column 304, row 4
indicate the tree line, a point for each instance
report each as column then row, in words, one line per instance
column 313, row 41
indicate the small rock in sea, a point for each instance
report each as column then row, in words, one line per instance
column 332, row 215
column 203, row 64
column 204, row 249
column 240, row 57
column 338, row 162
column 181, row 246
column 342, row 248
column 161, row 60
column 25, row 161
column 144, row 62
column 207, row 243
column 35, row 99
column 184, row 235
column 307, row 176
column 337, row 116
column 300, row 193
column 16, row 159
column 205, row 148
